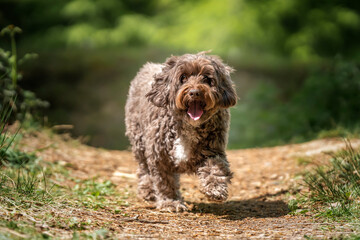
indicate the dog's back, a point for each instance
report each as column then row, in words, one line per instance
column 135, row 114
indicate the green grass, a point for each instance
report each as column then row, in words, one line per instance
column 340, row 131
column 25, row 190
column 97, row 234
column 338, row 183
column 34, row 201
column 37, row 199
column 96, row 195
column 5, row 139
column 333, row 189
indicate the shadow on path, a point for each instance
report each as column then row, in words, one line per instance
column 238, row 210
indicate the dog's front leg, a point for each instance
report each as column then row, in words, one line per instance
column 214, row 175
column 166, row 185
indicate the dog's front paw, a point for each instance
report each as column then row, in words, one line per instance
column 216, row 192
column 171, row 206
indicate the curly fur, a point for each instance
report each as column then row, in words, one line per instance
column 167, row 140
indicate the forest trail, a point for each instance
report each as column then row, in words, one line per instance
column 265, row 179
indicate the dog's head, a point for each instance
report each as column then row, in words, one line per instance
column 194, row 85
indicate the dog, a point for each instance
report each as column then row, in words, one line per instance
column 177, row 120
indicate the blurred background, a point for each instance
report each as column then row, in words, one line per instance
column 297, row 61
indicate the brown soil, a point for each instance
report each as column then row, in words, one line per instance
column 263, row 183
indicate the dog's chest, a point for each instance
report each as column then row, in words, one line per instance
column 181, row 153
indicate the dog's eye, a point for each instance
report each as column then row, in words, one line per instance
column 208, row 80
column 183, row 78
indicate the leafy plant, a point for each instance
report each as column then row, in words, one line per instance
column 8, row 155
column 27, row 103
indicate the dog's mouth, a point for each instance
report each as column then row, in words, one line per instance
column 195, row 110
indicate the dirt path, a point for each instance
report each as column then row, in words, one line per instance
column 257, row 207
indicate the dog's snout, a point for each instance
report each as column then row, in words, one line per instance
column 194, row 93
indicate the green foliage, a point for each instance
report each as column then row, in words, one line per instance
column 21, row 175
column 93, row 188
column 351, row 237
column 8, row 155
column 32, row 192
column 252, row 35
column 339, row 131
column 302, row 30
column 327, row 104
column 97, row 234
column 15, row 157
column 293, row 205
column 339, row 183
column 5, row 140
column 329, row 97
column 25, row 181
column 92, row 194
column 27, row 103
column 334, row 190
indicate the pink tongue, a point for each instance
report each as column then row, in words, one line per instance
column 195, row 111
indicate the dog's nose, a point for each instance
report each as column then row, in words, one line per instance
column 194, row 93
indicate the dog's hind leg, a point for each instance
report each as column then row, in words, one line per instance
column 145, row 186
column 166, row 185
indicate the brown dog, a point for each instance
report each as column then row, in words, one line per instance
column 177, row 121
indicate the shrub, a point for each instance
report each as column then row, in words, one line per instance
column 327, row 100
column 27, row 103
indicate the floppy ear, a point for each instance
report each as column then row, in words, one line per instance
column 228, row 95
column 160, row 89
